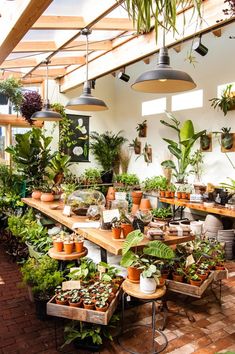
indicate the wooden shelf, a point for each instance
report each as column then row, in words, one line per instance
column 219, row 210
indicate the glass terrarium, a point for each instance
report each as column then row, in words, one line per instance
column 80, row 200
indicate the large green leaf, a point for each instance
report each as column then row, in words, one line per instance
column 132, row 239
column 168, row 164
column 175, row 151
column 159, row 249
column 128, row 259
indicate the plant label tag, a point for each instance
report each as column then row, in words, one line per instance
column 128, row 298
column 189, row 260
column 108, row 215
column 71, row 284
column 67, row 210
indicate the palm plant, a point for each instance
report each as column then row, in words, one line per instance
column 106, row 148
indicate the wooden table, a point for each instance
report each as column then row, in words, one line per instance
column 218, row 209
column 102, row 238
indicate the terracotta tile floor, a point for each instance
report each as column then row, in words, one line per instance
column 213, row 330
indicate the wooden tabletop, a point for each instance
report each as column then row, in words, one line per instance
column 62, row 256
column 102, row 238
column 218, row 209
column 133, row 289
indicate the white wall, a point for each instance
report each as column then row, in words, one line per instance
column 216, row 68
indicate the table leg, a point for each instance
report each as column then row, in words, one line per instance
column 153, row 322
column 103, row 255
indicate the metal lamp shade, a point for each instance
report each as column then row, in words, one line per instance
column 46, row 115
column 164, row 79
column 86, row 102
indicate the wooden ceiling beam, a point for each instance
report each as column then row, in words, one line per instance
column 81, row 45
column 56, row 61
column 145, row 45
column 35, row 46
column 78, row 22
column 16, row 25
column 51, row 72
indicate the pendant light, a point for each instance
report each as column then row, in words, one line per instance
column 86, row 102
column 46, row 114
column 164, row 79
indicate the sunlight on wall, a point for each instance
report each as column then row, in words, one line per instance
column 187, row 100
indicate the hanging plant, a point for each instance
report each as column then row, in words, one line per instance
column 11, row 88
column 226, row 138
column 32, row 102
column 227, row 100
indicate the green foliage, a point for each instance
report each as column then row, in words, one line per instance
column 42, row 275
column 132, row 239
column 85, row 271
column 230, row 186
column 180, row 149
column 196, row 161
column 9, row 180
column 11, row 87
column 162, row 213
column 91, row 176
column 226, row 101
column 141, row 126
column 106, row 147
column 59, row 163
column 128, row 179
column 31, row 155
column 155, row 183
column 159, row 250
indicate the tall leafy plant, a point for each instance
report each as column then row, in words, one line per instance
column 31, row 155
column 180, row 149
column 106, row 147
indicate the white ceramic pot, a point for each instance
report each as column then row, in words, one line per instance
column 147, row 285
column 196, row 227
column 120, row 195
column 212, row 221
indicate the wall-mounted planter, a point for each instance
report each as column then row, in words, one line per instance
column 206, row 143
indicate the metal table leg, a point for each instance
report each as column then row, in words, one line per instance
column 103, row 255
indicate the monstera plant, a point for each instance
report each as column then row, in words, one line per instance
column 180, row 149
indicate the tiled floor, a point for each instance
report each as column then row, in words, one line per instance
column 213, row 330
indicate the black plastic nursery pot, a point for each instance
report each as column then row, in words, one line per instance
column 107, row 176
column 41, row 309
column 87, row 344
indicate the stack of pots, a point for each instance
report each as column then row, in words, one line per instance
column 110, row 196
column 211, row 226
column 136, row 199
column 227, row 237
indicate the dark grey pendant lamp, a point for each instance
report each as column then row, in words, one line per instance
column 164, row 79
column 46, row 114
column 86, row 102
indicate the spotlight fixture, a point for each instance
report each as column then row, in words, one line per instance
column 86, row 102
column 164, row 79
column 123, row 76
column 199, row 47
column 46, row 114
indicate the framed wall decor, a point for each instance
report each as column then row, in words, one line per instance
column 74, row 137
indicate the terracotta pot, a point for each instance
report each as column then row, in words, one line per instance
column 58, row 246
column 79, row 246
column 134, row 209
column 47, row 197
column 137, row 194
column 179, row 195
column 184, row 195
column 126, row 229
column 68, row 247
column 143, row 132
column 89, row 307
column 172, row 194
column 76, row 304
column 177, row 277
column 36, row 194
column 145, row 204
column 59, row 302
column 162, row 194
column 195, row 282
column 116, row 231
column 118, row 280
column 162, row 282
column 167, row 194
column 133, row 273
column 102, row 309
column 165, row 274
column 203, row 276
column 110, row 194
column 136, row 201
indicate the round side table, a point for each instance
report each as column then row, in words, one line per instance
column 133, row 290
column 62, row 257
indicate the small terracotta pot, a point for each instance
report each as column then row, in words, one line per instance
column 172, row 194
column 126, row 229
column 116, row 231
column 102, row 309
column 134, row 209
column 61, row 302
column 110, row 194
column 76, row 304
column 136, row 201
column 58, row 246
column 89, row 307
column 203, row 276
column 195, row 282
column 165, row 274
column 145, row 204
column 133, row 273
column 184, row 195
column 136, row 196
column 177, row 277
column 47, row 197
column 68, row 247
column 167, row 194
column 79, row 246
column 162, row 194
column 36, row 194
column 179, row 195
column 162, row 282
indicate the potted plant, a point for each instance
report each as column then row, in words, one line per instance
column 205, row 142
column 116, row 228
column 60, row 299
column 31, row 103
column 126, row 225
column 106, row 148
column 75, row 301
column 149, row 278
column 227, row 100
column 226, row 138
column 58, row 165
column 88, row 303
column 102, row 305
column 196, row 162
column 162, row 214
column 12, row 89
column 136, row 145
column 46, row 189
column 179, row 273
column 79, row 241
column 142, row 129
column 195, row 280
column 68, row 245
column 181, row 149
column 90, row 176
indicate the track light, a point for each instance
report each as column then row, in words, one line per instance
column 123, row 76
column 199, row 47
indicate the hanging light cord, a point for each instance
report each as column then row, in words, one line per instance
column 86, row 58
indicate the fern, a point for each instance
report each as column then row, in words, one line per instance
column 159, row 250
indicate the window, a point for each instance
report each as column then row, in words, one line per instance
column 154, row 106
column 2, row 142
column 187, row 100
column 221, row 88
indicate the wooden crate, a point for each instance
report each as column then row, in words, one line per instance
column 81, row 314
column 220, row 274
column 188, row 289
